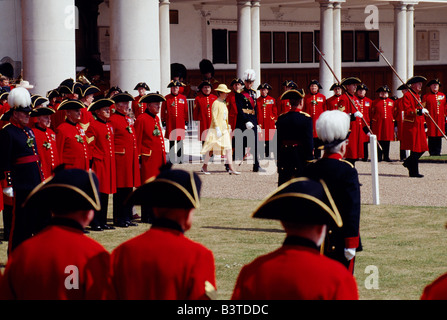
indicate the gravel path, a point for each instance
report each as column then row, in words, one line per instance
column 395, row 187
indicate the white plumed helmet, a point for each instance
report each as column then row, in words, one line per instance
column 19, row 98
column 332, row 127
column 249, row 75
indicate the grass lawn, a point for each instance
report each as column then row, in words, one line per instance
column 405, row 247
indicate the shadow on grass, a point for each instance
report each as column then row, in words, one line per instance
column 244, row 229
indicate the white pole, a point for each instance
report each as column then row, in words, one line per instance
column 374, row 168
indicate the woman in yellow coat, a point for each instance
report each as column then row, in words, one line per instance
column 218, row 139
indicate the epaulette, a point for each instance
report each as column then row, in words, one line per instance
column 352, row 166
column 6, row 125
column 306, row 114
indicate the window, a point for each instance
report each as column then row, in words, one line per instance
column 173, row 16
column 266, row 47
column 307, row 49
column 347, row 46
column 293, row 47
column 364, row 51
column 220, row 46
column 232, row 46
column 279, row 47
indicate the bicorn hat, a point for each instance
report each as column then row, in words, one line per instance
column 142, row 85
column 175, row 83
column 67, row 190
column 300, row 200
column 172, row 188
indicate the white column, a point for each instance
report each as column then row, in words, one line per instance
column 400, row 45
column 165, row 47
column 243, row 37
column 326, row 45
column 256, row 41
column 134, row 44
column 48, row 43
column 337, row 40
column 410, row 40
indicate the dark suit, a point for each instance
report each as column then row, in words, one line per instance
column 295, row 144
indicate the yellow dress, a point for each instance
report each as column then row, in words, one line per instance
column 219, row 119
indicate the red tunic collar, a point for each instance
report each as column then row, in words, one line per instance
column 335, row 156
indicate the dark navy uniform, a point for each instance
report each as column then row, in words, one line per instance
column 246, row 112
column 295, row 144
column 342, row 180
column 20, row 165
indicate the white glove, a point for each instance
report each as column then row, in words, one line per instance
column 186, row 127
column 425, row 111
column 349, row 253
column 259, row 128
column 8, row 191
column 358, row 114
column 249, row 125
column 218, row 132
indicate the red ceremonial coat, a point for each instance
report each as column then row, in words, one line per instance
column 174, row 111
column 232, row 109
column 202, row 113
column 47, row 149
column 150, row 145
column 162, row 264
column 138, row 108
column 126, row 151
column 354, row 149
column 296, row 271
column 72, row 146
column 437, row 290
column 102, row 146
column 267, row 116
column 86, row 118
column 413, row 130
column 283, row 106
column 3, row 109
column 382, row 119
column 58, row 117
column 365, row 105
column 398, row 117
column 59, row 263
column 435, row 103
column 332, row 102
column 314, row 105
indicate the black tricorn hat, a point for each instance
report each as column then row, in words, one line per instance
column 42, row 111
column 70, row 104
column 172, row 188
column 152, row 97
column 86, row 90
column 122, row 97
column 300, row 200
column 204, row 83
column 53, row 94
column 236, row 80
column 292, row 84
column 67, row 190
column 416, row 79
column 433, row 81
column 350, row 80
column 264, row 86
column 206, row 66
column 175, row 83
column 285, row 83
column 4, row 95
column 112, row 89
column 315, row 82
column 142, row 85
column 6, row 116
column 101, row 103
column 68, row 86
column 403, row 86
column 384, row 89
column 335, row 85
column 297, row 94
column 37, row 100
column 362, row 87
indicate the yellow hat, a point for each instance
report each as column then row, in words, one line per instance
column 223, row 88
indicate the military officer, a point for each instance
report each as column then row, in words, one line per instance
column 382, row 121
column 297, row 270
column 202, row 108
column 45, row 136
column 138, row 108
column 162, row 263
column 20, row 166
column 267, row 116
column 126, row 156
column 314, row 105
column 102, row 148
column 66, row 264
column 435, row 102
column 71, row 140
column 294, row 138
column 413, row 130
column 150, row 144
column 174, row 114
column 341, row 244
column 365, row 104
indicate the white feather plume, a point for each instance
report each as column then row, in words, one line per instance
column 332, row 125
column 249, row 74
column 19, row 97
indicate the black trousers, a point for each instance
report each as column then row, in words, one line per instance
column 100, row 218
column 434, row 146
column 384, row 154
column 121, row 212
column 412, row 163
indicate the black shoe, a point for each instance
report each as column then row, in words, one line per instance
column 388, row 160
column 416, row 175
column 405, row 164
column 258, row 169
column 86, row 231
column 107, row 227
column 121, row 225
column 96, row 228
column 131, row 224
column 227, row 167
